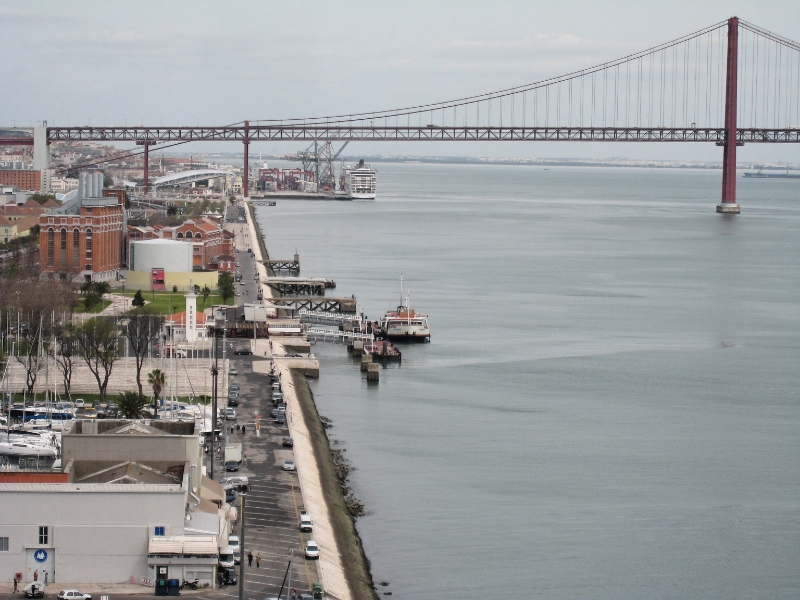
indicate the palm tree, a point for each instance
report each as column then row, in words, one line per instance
column 132, row 404
column 206, row 291
column 156, row 378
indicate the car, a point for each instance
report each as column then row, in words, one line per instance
column 312, row 549
column 234, row 386
column 231, row 465
column 293, row 355
column 278, row 411
column 241, row 282
column 243, row 350
column 288, row 465
column 233, row 542
column 276, row 385
column 230, row 414
column 233, row 401
column 34, row 590
column 230, row 496
column 305, row 521
column 237, row 294
column 288, row 442
column 236, row 480
column 280, row 419
column 227, row 575
column 233, row 371
column 233, row 394
column 73, row 595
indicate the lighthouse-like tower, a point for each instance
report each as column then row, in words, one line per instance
column 191, row 314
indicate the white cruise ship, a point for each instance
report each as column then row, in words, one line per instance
column 358, row 182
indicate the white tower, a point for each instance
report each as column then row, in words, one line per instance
column 191, row 314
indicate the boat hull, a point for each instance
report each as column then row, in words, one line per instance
column 406, row 337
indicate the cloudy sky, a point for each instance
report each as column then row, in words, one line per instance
column 222, row 62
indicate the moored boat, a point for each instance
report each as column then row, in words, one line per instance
column 405, row 324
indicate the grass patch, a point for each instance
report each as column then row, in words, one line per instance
column 355, row 562
column 167, row 303
column 95, row 309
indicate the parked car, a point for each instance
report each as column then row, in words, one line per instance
column 34, row 590
column 233, row 542
column 230, row 414
column 233, row 371
column 280, row 419
column 231, row 465
column 243, row 350
column 230, row 496
column 227, row 575
column 288, row 442
column 73, row 595
column 233, row 401
column 288, row 465
column 312, row 549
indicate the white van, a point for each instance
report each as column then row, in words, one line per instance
column 226, row 558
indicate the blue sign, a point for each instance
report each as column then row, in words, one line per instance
column 40, row 556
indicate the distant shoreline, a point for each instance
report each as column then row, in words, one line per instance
column 522, row 162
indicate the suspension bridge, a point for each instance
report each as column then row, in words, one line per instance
column 732, row 83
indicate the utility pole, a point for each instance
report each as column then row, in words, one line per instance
column 241, row 551
column 214, row 371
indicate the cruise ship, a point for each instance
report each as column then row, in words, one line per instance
column 358, row 182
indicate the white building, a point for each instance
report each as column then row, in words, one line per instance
column 126, row 489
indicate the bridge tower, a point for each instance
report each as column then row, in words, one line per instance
column 146, row 144
column 728, row 204
column 246, row 175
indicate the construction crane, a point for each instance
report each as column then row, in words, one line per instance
column 319, row 159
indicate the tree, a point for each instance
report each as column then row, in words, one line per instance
column 142, row 328
column 132, row 404
column 138, row 299
column 172, row 211
column 98, row 346
column 225, row 286
column 101, row 288
column 206, row 292
column 66, row 354
column 156, row 378
column 90, row 301
column 232, row 199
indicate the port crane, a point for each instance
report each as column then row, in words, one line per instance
column 319, row 158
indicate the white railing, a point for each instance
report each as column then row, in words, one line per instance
column 334, row 335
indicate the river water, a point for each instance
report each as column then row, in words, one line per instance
column 609, row 407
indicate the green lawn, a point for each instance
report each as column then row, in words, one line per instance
column 96, row 309
column 167, row 303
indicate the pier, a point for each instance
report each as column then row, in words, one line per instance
column 312, row 303
column 293, row 266
column 300, row 286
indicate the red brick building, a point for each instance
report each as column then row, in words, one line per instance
column 210, row 241
column 83, row 237
column 24, row 180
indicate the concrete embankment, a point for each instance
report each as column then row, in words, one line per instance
column 343, row 566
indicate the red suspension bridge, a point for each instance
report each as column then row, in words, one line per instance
column 731, row 83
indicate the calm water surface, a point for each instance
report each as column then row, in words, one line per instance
column 609, row 407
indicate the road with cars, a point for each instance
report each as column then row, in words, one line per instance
column 273, row 502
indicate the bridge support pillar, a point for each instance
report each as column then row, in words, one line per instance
column 146, row 144
column 728, row 204
column 246, row 175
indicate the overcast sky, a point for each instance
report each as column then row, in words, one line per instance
column 222, row 62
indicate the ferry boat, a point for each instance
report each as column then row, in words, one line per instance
column 405, row 324
column 358, row 182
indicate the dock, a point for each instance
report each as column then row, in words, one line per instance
column 315, row 303
column 293, row 266
column 300, row 286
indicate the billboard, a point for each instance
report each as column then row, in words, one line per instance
column 157, row 280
